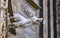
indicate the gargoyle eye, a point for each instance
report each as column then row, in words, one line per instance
column 37, row 20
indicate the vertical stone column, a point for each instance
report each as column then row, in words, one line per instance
column 3, row 8
column 58, row 18
column 1, row 18
column 51, row 18
column 45, row 21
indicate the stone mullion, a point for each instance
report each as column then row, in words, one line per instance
column 51, row 18
column 45, row 22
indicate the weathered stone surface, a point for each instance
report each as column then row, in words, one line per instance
column 58, row 18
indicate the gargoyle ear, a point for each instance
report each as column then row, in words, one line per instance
column 33, row 4
column 40, row 19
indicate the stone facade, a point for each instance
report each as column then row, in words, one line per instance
column 58, row 18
